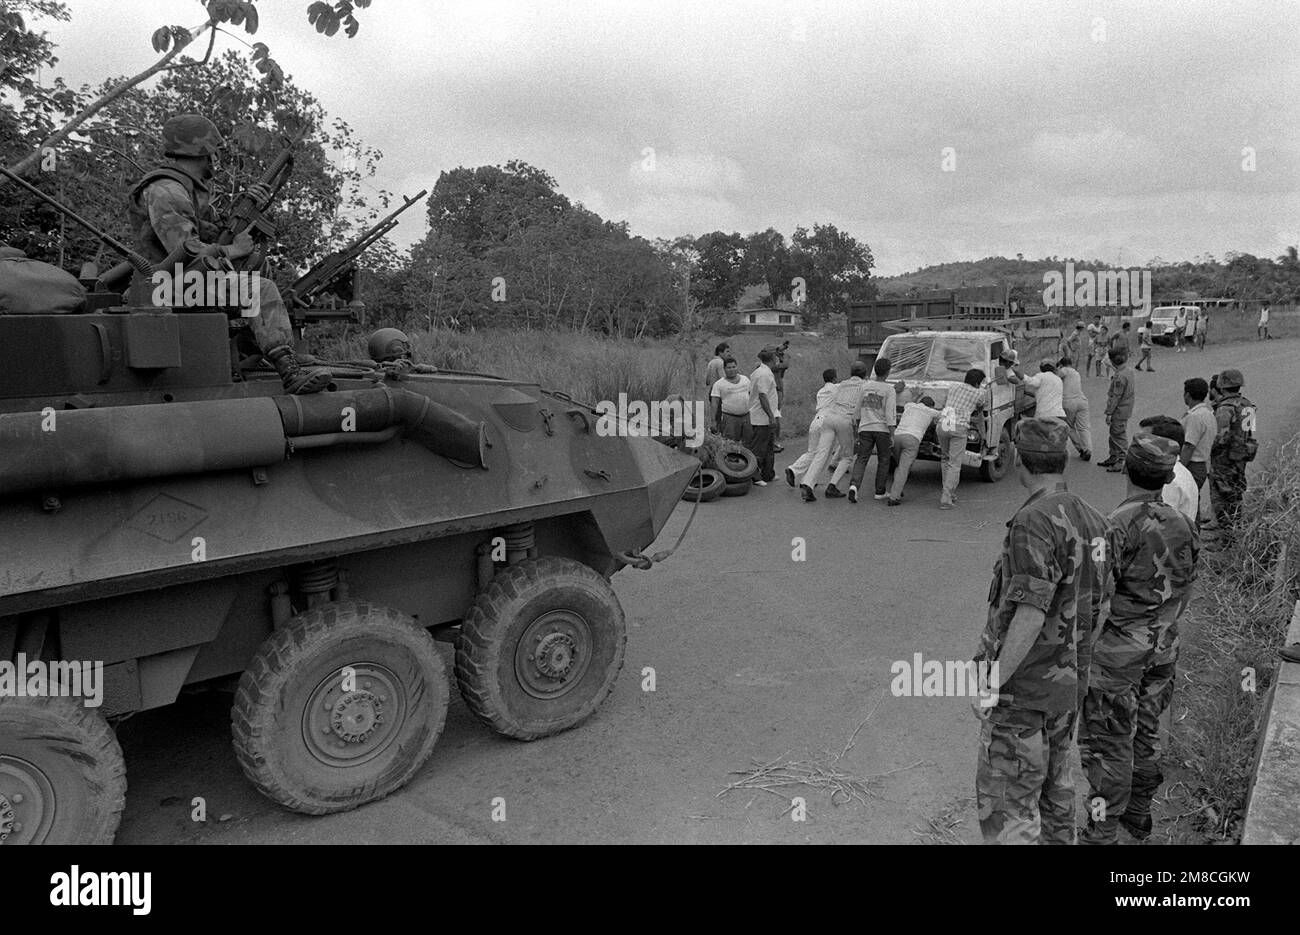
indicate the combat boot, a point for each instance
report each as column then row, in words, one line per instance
column 298, row 380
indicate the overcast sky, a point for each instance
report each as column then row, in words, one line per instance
column 1109, row 130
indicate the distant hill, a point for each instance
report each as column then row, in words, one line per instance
column 1241, row 276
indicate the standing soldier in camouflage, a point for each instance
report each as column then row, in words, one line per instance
column 1050, row 587
column 1156, row 565
column 1234, row 447
column 1119, row 409
column 172, row 205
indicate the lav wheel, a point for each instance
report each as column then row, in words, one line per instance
column 735, row 464
column 62, row 777
column 339, row 707
column 995, row 470
column 540, row 648
column 707, row 485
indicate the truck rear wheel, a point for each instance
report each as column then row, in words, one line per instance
column 541, row 647
column 339, row 707
column 996, row 469
column 62, row 777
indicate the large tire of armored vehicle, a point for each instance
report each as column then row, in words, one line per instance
column 62, row 777
column 340, row 707
column 541, row 648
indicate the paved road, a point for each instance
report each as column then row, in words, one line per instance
column 754, row 655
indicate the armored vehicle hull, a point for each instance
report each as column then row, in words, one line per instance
column 167, row 521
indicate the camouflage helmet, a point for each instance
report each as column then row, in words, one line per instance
column 191, row 135
column 381, row 344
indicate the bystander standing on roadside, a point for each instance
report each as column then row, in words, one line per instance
column 1202, row 328
column 1144, row 348
column 1180, row 493
column 1180, row 328
column 1119, row 409
column 1078, row 416
column 730, row 398
column 1122, row 339
column 1199, row 429
column 1090, row 348
column 714, row 371
column 1100, row 344
column 1262, row 330
column 764, row 417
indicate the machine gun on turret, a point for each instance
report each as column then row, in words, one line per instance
column 334, row 277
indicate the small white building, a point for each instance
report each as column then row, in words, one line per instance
column 773, row 320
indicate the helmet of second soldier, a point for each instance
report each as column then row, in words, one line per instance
column 389, row 344
column 191, row 136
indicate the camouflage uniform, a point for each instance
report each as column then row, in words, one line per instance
column 1119, row 408
column 1156, row 568
column 171, row 206
column 1056, row 557
column 1228, row 460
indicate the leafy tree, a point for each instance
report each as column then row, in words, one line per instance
column 835, row 266
column 718, row 274
column 768, row 262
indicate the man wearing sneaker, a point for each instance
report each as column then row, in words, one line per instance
column 837, row 422
column 764, row 417
column 1119, row 409
column 916, row 419
column 876, row 417
column 1078, row 417
column 795, row 472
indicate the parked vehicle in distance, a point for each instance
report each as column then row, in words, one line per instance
column 1163, row 318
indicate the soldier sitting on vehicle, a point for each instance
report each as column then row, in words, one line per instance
column 171, row 206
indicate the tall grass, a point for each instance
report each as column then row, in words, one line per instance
column 592, row 368
column 1244, row 601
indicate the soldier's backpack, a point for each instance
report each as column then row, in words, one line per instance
column 1241, row 444
column 30, row 287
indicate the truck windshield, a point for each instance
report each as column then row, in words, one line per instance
column 941, row 357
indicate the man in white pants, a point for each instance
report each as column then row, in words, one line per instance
column 1078, row 418
column 824, row 395
column 836, row 429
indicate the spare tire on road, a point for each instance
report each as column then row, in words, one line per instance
column 737, row 488
column 707, row 485
column 735, row 463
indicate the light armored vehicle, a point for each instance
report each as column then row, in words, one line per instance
column 170, row 519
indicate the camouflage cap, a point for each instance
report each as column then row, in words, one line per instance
column 1232, row 378
column 191, row 135
column 1153, row 452
column 1041, row 436
column 380, row 347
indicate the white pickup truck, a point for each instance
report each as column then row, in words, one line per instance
column 930, row 363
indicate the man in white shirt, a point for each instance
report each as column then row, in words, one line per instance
column 877, row 415
column 1200, row 426
column 764, row 417
column 915, row 421
column 836, row 432
column 824, row 396
column 1262, row 330
column 1049, row 392
column 1181, row 493
column 1078, row 416
column 730, row 397
column 1180, row 329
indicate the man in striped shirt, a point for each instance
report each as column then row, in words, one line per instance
column 963, row 399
